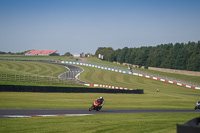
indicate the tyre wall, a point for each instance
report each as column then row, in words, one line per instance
column 19, row 88
column 192, row 126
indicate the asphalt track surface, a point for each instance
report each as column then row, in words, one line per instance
column 73, row 72
column 86, row 111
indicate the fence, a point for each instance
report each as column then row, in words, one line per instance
column 37, row 79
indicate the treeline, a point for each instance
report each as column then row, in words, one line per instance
column 22, row 53
column 10, row 53
column 182, row 56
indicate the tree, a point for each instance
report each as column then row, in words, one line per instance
column 107, row 52
column 132, row 56
column 122, row 54
column 67, row 54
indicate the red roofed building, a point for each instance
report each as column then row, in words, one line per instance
column 41, row 52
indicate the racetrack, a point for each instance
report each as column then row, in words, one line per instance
column 73, row 72
column 74, row 69
column 4, row 112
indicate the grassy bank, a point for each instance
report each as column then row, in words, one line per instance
column 31, row 68
column 31, row 72
column 185, row 78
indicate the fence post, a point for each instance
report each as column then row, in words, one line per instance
column 79, row 77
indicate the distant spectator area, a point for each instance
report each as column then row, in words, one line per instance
column 41, row 52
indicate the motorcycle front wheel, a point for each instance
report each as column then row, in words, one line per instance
column 91, row 108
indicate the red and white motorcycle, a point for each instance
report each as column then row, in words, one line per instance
column 96, row 106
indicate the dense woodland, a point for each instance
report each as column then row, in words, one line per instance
column 10, row 53
column 182, row 56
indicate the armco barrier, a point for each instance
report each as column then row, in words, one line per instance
column 131, row 73
column 19, row 88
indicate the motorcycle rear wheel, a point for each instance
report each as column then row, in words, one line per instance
column 98, row 108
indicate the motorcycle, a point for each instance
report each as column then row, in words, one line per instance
column 197, row 105
column 96, row 106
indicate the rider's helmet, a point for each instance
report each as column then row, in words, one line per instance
column 100, row 99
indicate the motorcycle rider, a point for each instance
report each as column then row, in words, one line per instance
column 197, row 105
column 101, row 101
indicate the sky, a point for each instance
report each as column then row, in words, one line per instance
column 77, row 26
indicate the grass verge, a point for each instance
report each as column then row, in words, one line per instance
column 84, row 100
column 107, row 123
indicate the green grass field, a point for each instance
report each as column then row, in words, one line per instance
column 84, row 100
column 105, row 123
column 170, row 97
